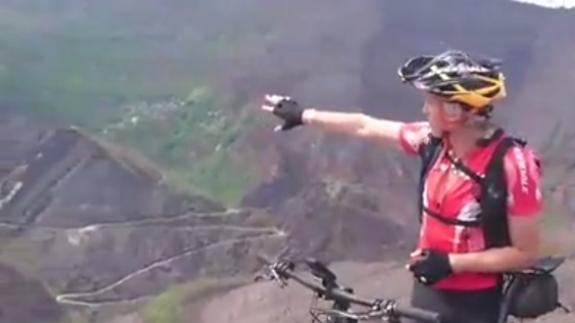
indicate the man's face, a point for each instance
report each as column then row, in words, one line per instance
column 432, row 111
column 441, row 115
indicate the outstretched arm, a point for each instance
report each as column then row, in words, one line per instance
column 354, row 124
column 349, row 123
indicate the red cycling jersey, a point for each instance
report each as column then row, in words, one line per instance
column 451, row 193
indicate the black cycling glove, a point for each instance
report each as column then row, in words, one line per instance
column 430, row 266
column 290, row 112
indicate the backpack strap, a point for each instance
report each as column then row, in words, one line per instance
column 449, row 221
column 493, row 198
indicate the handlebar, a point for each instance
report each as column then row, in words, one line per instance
column 416, row 313
column 378, row 308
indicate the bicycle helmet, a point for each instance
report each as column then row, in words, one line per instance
column 457, row 77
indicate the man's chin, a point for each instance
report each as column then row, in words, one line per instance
column 436, row 132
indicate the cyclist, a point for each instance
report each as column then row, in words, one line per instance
column 457, row 262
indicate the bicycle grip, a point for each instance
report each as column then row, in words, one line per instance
column 417, row 313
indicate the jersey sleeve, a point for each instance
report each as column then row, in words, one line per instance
column 413, row 135
column 523, row 172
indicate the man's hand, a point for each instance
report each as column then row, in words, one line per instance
column 286, row 109
column 429, row 266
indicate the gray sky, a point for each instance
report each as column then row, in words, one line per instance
column 555, row 4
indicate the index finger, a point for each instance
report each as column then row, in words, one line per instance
column 416, row 253
column 274, row 98
column 269, row 108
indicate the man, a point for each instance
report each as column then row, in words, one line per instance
column 464, row 242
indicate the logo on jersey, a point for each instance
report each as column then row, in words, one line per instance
column 522, row 166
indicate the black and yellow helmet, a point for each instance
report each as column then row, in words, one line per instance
column 457, row 77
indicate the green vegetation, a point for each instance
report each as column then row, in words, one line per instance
column 101, row 64
column 166, row 308
column 79, row 62
column 134, row 74
column 21, row 253
column 169, row 306
column 193, row 140
column 553, row 217
column 554, row 223
column 75, row 317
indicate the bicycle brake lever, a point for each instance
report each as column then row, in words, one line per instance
column 278, row 278
column 271, row 274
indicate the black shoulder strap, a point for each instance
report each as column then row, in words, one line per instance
column 428, row 152
column 493, row 199
column 450, row 221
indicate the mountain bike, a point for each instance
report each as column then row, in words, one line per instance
column 342, row 298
